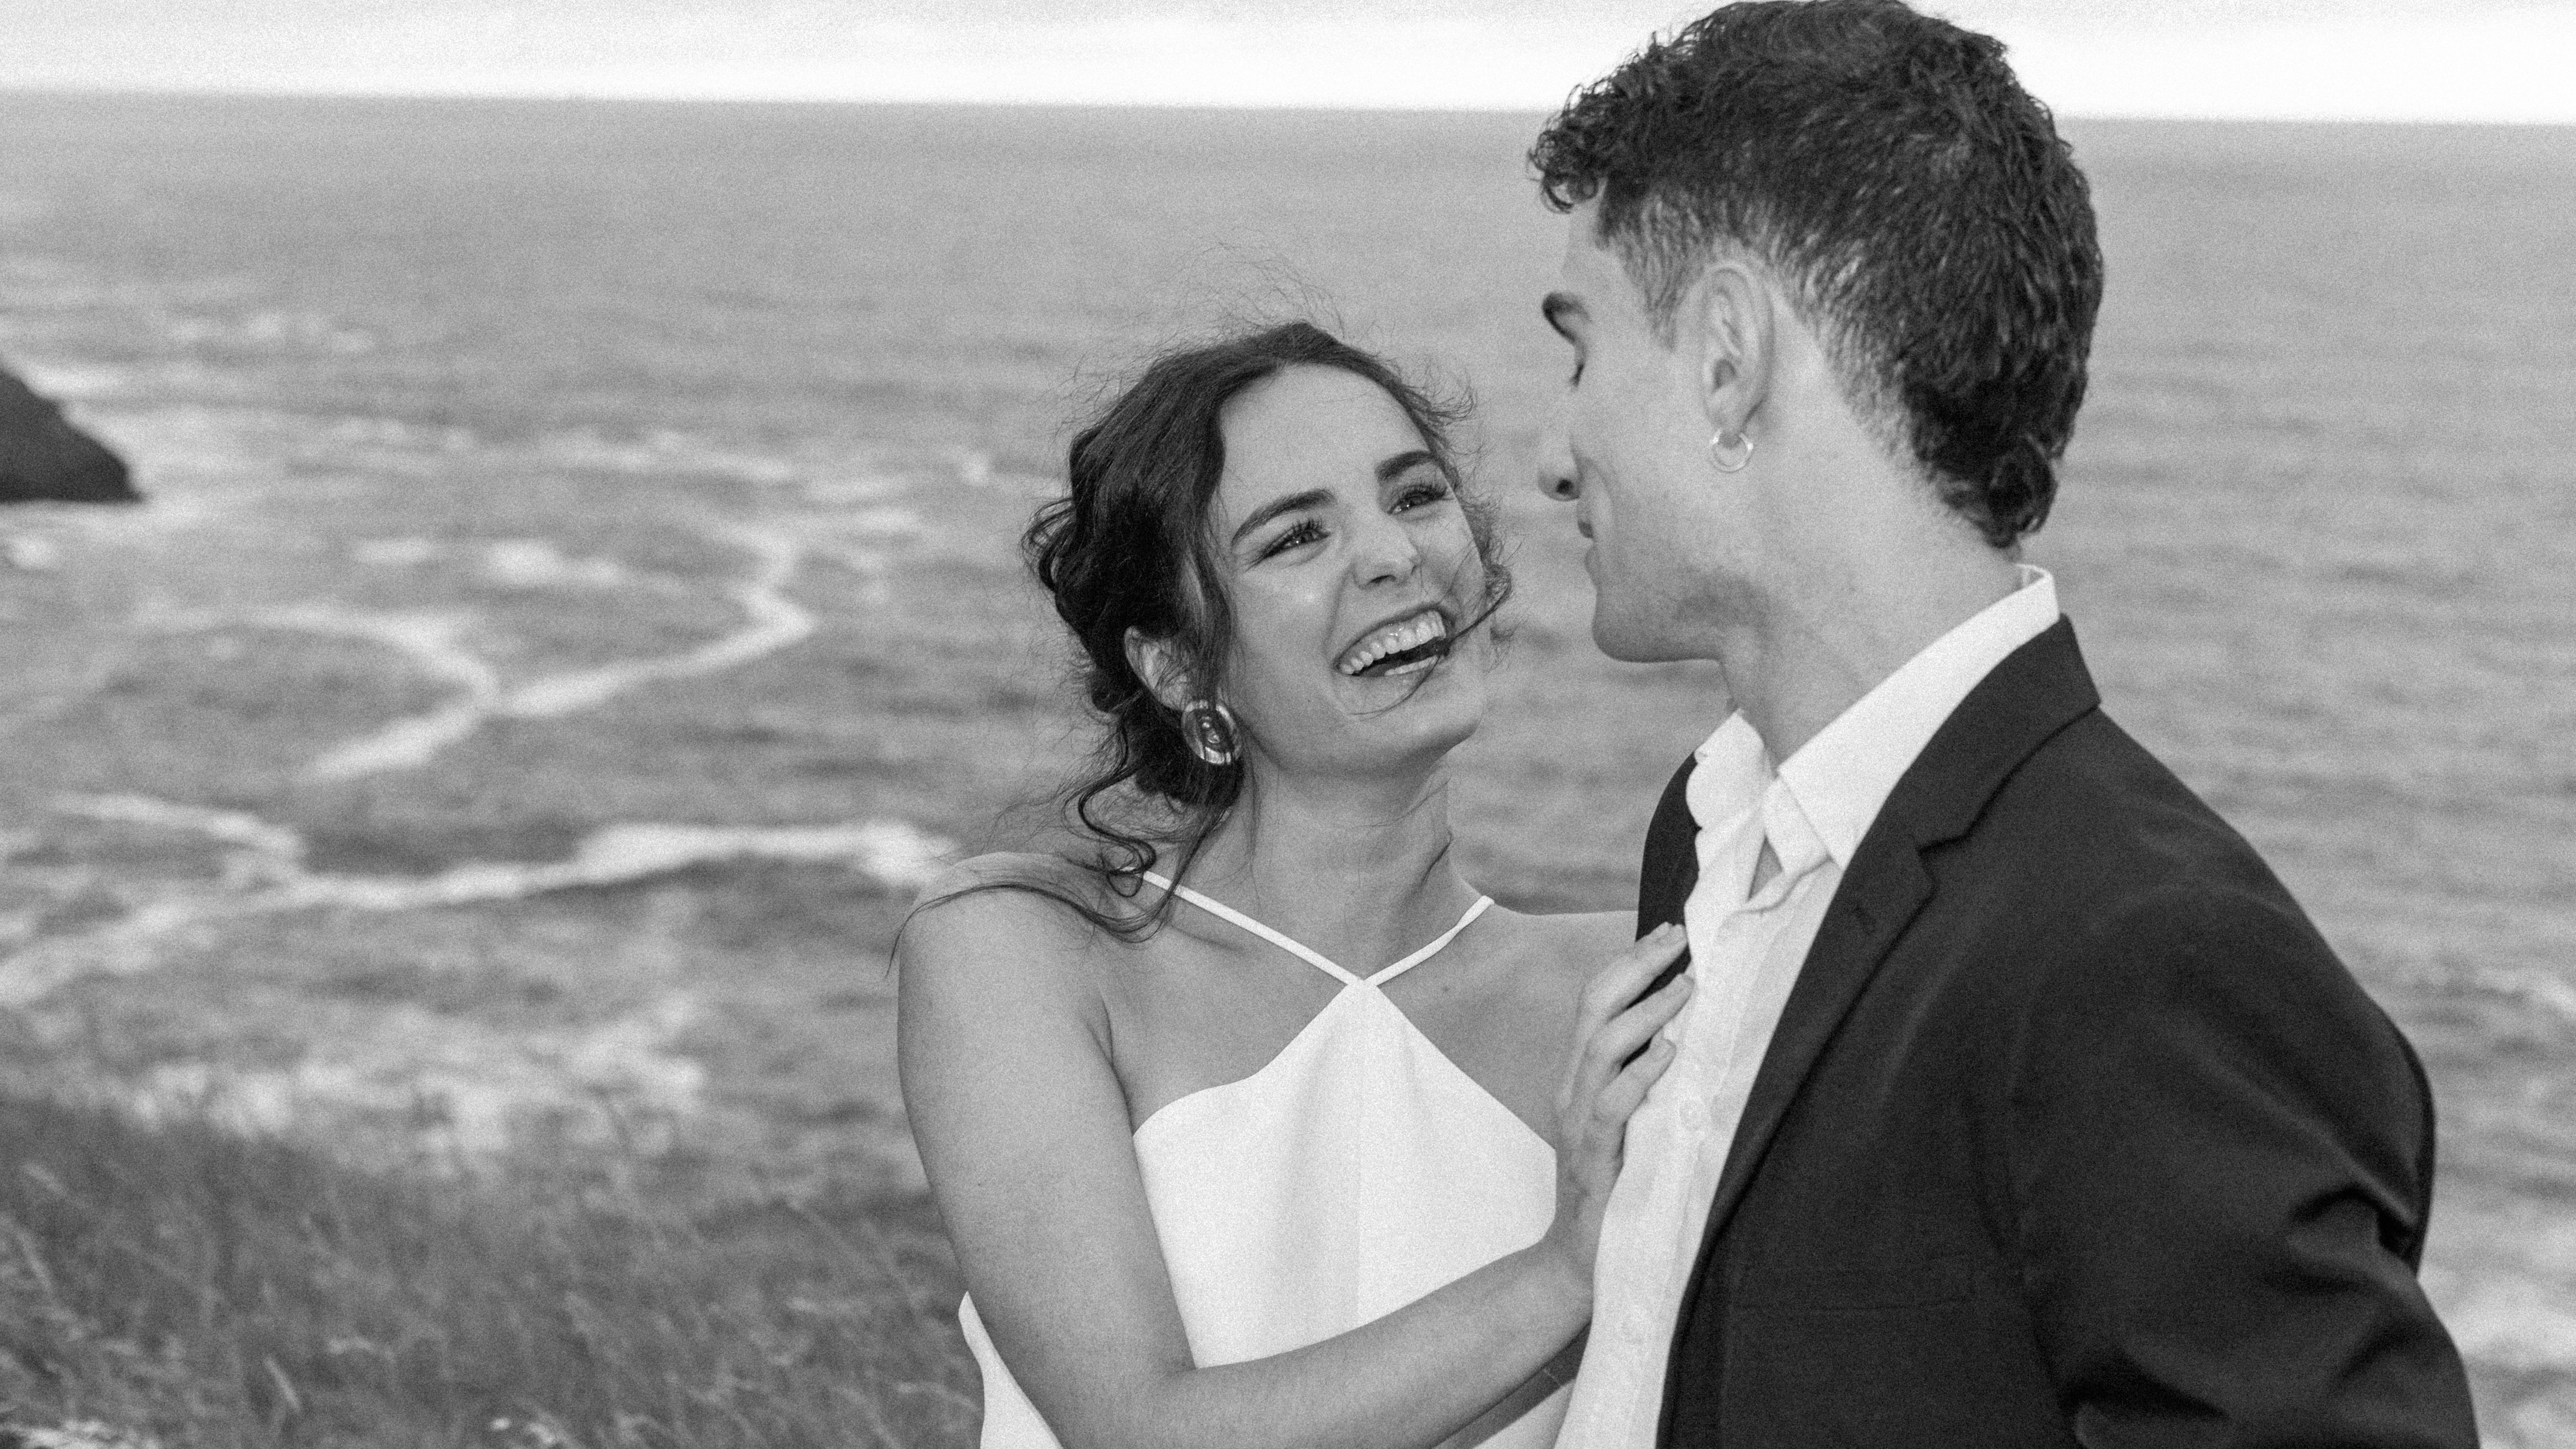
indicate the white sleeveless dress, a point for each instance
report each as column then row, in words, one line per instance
column 1357, row 1171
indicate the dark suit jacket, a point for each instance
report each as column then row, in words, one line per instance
column 2073, row 1131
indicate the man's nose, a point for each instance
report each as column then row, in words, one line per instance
column 1556, row 471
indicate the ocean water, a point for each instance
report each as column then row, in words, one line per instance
column 579, row 592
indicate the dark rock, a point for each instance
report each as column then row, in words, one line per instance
column 44, row 458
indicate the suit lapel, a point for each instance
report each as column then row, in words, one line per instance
column 1876, row 902
column 1671, row 865
column 2035, row 692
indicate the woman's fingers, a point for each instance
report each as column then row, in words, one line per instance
column 1615, row 986
column 1614, row 1064
column 1617, row 1058
column 1627, row 1091
column 1616, row 1048
column 1649, row 1012
column 1611, row 1038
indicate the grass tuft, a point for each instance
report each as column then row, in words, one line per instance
column 177, row 1282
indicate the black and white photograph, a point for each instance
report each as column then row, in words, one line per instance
column 1305, row 724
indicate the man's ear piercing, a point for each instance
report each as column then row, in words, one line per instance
column 1210, row 731
column 1729, row 457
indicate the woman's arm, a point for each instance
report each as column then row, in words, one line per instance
column 1023, row 1127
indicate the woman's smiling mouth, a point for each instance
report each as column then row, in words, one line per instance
column 1407, row 645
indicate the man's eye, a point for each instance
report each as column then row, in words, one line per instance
column 1296, row 537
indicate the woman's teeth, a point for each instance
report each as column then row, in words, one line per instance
column 1404, row 647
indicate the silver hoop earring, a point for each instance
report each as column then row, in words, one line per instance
column 1723, row 457
column 1209, row 729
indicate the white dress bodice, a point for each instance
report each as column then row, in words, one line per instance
column 1355, row 1172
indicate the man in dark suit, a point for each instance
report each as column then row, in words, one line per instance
column 2019, row 1104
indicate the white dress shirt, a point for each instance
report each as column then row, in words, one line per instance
column 1746, row 950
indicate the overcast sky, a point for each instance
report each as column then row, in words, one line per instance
column 2508, row 60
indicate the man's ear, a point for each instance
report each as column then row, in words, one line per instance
column 1158, row 663
column 1731, row 321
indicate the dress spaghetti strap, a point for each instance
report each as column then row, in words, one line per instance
column 1427, row 952
column 1308, row 954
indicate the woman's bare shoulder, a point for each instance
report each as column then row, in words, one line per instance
column 1011, row 871
column 1577, row 943
column 1012, row 918
column 1594, row 928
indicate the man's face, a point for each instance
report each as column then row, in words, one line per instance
column 1629, row 452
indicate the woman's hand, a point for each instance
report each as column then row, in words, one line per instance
column 1617, row 1056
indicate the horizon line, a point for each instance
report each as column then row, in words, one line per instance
column 1330, row 107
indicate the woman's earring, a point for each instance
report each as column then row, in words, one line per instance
column 1208, row 728
column 1724, row 455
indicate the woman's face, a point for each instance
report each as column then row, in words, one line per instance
column 1351, row 569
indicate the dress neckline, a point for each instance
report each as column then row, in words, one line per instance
column 1309, row 954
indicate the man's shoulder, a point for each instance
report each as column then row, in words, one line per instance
column 2098, row 904
column 2105, row 872
column 2093, row 799
column 2094, row 851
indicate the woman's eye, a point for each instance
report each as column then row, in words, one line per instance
column 1296, row 537
column 1420, row 494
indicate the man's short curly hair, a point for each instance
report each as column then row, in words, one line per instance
column 1920, row 204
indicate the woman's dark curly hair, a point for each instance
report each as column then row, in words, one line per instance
column 1130, row 546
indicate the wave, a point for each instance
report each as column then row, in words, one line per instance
column 265, row 874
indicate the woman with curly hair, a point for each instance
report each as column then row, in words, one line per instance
column 1255, row 1124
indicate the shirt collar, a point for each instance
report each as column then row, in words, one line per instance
column 1841, row 777
column 1730, row 770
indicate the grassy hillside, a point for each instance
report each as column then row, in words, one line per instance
column 179, row 1283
